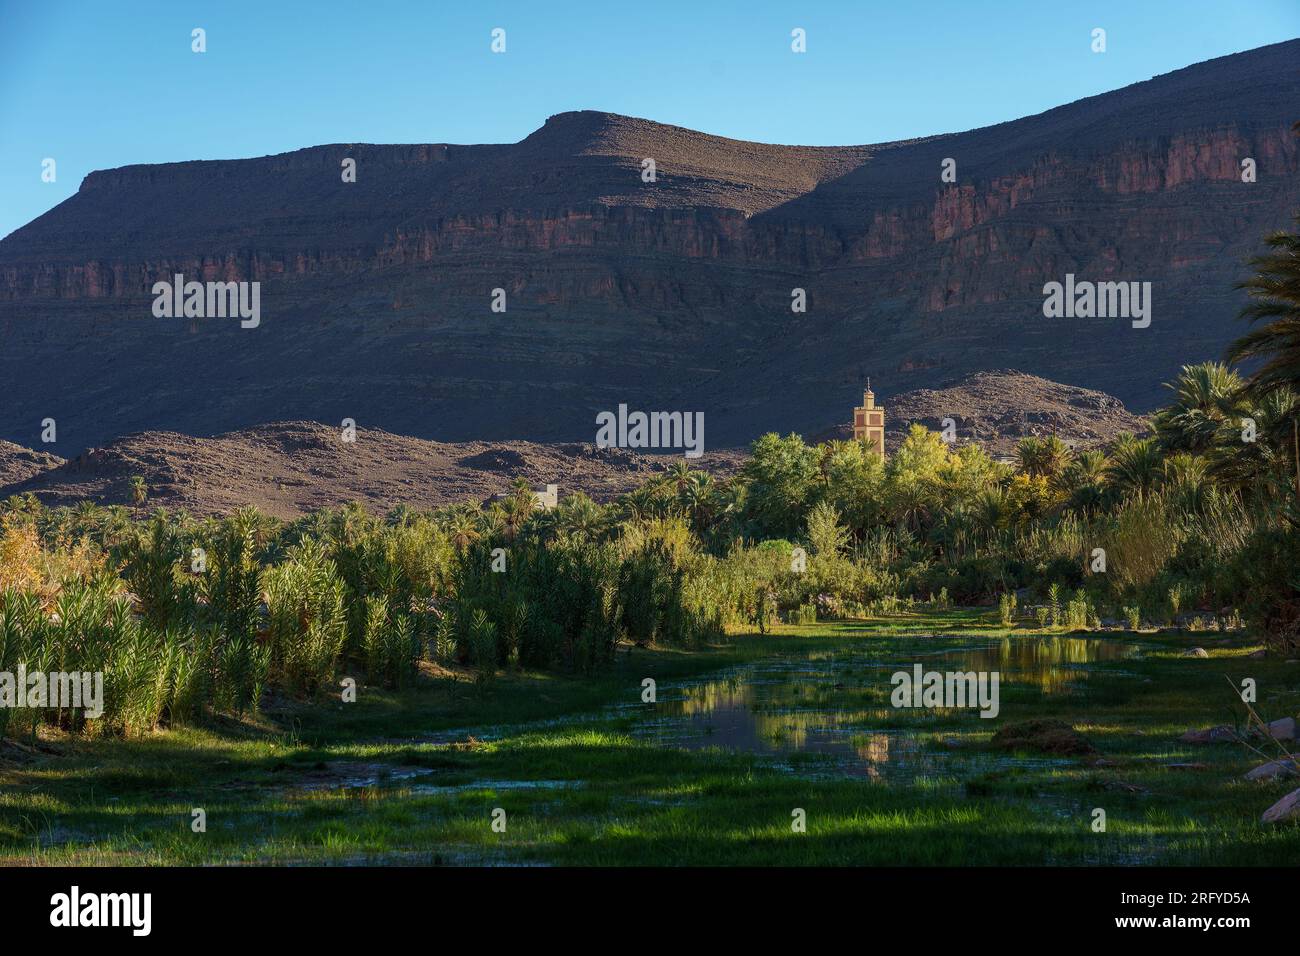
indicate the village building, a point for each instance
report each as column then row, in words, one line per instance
column 544, row 499
column 869, row 422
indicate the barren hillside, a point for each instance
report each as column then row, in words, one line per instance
column 673, row 294
column 288, row 468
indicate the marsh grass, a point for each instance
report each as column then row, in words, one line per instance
column 581, row 787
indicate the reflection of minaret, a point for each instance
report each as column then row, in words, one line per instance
column 869, row 422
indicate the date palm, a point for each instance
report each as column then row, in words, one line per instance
column 1207, row 395
column 516, row 512
column 698, row 496
column 139, row 492
column 463, row 528
column 679, row 475
column 1084, row 479
column 522, row 493
column 1275, row 293
column 1260, row 462
column 1135, row 465
column 581, row 517
column 1043, row 457
column 828, row 452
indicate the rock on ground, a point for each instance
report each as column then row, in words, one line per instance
column 1283, row 729
column 1209, row 735
column 1286, row 767
column 1288, row 808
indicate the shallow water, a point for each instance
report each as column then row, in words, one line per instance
column 830, row 712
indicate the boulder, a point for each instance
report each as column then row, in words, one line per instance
column 1209, row 735
column 1195, row 652
column 1288, row 808
column 1283, row 729
column 1286, row 767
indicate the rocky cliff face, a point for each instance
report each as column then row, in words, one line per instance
column 672, row 294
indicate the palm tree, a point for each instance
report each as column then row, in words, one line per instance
column 1263, row 465
column 492, row 522
column 989, row 511
column 522, row 492
column 1208, row 394
column 1135, row 465
column 399, row 516
column 581, row 517
column 679, row 475
column 464, row 528
column 139, row 492
column 638, row 503
column 1043, row 457
column 699, row 499
column 1275, row 291
column 728, row 507
column 828, row 452
column 1054, row 457
column 515, row 514
column 1084, row 479
column 1030, row 452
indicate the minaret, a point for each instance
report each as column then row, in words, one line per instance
column 869, row 422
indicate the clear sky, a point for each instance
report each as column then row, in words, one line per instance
column 101, row 83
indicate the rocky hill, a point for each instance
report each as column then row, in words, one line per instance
column 18, row 463
column 289, row 468
column 674, row 294
column 996, row 409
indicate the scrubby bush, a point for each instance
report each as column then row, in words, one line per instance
column 1007, row 609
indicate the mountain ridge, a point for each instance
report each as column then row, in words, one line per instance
column 672, row 294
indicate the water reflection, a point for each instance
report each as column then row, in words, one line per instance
column 836, row 705
column 1055, row 664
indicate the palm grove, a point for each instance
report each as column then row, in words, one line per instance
column 186, row 618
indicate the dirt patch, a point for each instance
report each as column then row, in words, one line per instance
column 1043, row 736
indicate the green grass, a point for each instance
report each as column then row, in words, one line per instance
column 578, row 787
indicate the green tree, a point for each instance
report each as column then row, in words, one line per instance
column 139, row 492
column 782, row 473
column 1135, row 465
column 826, row 536
column 1275, row 293
column 1206, row 396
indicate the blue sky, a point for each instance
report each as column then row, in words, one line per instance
column 96, row 84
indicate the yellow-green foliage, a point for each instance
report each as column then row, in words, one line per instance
column 1139, row 541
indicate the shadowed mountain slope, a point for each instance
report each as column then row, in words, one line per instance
column 673, row 294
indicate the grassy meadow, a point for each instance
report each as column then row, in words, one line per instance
column 412, row 776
